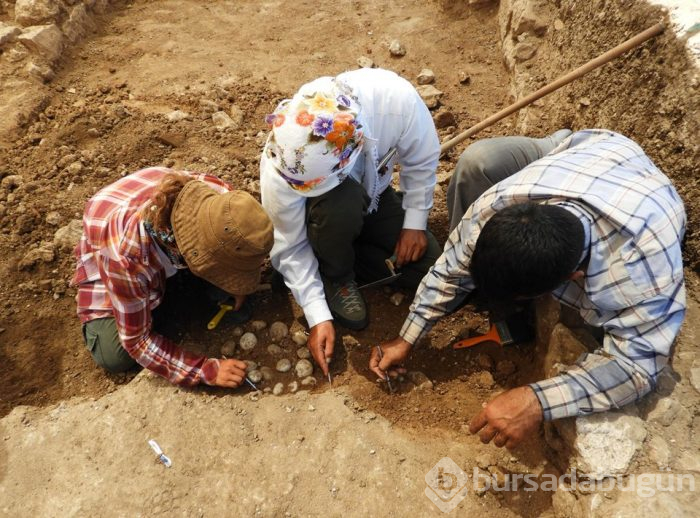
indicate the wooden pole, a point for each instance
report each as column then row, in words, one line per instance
column 563, row 80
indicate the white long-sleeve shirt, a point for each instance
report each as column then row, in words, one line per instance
column 395, row 116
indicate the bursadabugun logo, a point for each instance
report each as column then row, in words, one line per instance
column 447, row 484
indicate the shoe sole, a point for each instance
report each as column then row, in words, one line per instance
column 355, row 325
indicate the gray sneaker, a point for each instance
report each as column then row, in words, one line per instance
column 347, row 305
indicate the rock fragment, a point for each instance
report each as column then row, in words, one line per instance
column 524, row 51
column 36, row 12
column 278, row 331
column 420, row 380
column 8, row 33
column 284, row 365
column 177, row 116
column 222, row 120
column 44, row 253
column 464, row 78
column 267, row 373
column 303, row 368
column 365, row 62
column 425, row 77
column 300, row 338
column 278, row 389
column 444, row 119
column 396, row 49
column 431, row 96
column 397, row 298
column 255, row 376
column 303, row 353
column 309, row 381
column 228, row 349
column 45, row 40
column 293, row 386
column 258, row 325
column 68, row 236
column 248, row 341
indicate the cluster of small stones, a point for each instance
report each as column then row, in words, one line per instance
column 296, row 360
column 44, row 29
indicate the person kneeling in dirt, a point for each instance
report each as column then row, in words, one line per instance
column 141, row 230
column 336, row 216
column 595, row 223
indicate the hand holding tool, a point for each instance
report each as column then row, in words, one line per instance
column 387, row 378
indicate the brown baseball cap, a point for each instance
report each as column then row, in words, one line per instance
column 224, row 238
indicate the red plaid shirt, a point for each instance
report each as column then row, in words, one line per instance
column 120, row 274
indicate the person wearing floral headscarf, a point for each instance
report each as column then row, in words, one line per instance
column 336, row 217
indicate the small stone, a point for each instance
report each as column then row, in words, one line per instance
column 311, row 408
column 444, row 119
column 228, row 349
column 426, row 77
column 177, row 116
column 365, row 62
column 12, row 181
column 372, row 452
column 505, row 368
column 464, row 78
column 248, row 342
column 53, row 218
column 303, row 353
column 43, row 72
column 255, row 376
column 558, row 25
column 275, row 350
column 222, row 120
column 278, row 389
column 237, row 332
column 278, row 331
column 484, row 379
column 293, row 386
column 484, row 361
column 251, row 365
column 695, row 378
column 254, row 396
column 284, row 365
column 67, row 237
column 258, row 325
column 584, row 101
column 431, row 96
column 396, row 49
column 397, row 298
column 267, row 373
column 303, row 368
column 420, row 380
column 309, row 381
column 300, row 338
column 524, row 51
column 93, row 132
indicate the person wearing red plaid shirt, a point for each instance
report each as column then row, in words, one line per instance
column 139, row 231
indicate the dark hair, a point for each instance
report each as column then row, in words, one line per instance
column 526, row 250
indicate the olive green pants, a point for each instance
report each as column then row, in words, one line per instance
column 351, row 244
column 102, row 340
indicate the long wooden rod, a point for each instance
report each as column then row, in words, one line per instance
column 563, row 80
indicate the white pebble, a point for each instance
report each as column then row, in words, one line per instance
column 278, row 389
column 275, row 349
column 311, row 408
column 397, row 298
column 293, row 387
column 278, row 331
column 251, row 365
column 396, row 49
column 255, row 376
column 237, row 331
column 284, row 365
column 303, row 368
column 300, row 338
column 228, row 349
column 248, row 342
column 309, row 381
column 303, row 353
column 258, row 325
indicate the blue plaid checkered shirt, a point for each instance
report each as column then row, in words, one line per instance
column 633, row 285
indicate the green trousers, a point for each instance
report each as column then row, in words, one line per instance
column 351, row 244
column 102, row 340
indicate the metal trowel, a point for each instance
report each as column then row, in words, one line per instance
column 391, row 266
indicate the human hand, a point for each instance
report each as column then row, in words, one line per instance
column 509, row 418
column 321, row 342
column 231, row 373
column 238, row 301
column 411, row 246
column 393, row 353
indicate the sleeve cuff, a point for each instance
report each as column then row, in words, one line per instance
column 416, row 219
column 414, row 328
column 556, row 398
column 317, row 312
column 210, row 369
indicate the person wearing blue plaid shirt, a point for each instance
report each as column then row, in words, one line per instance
column 586, row 216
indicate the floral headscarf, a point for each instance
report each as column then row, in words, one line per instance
column 316, row 136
